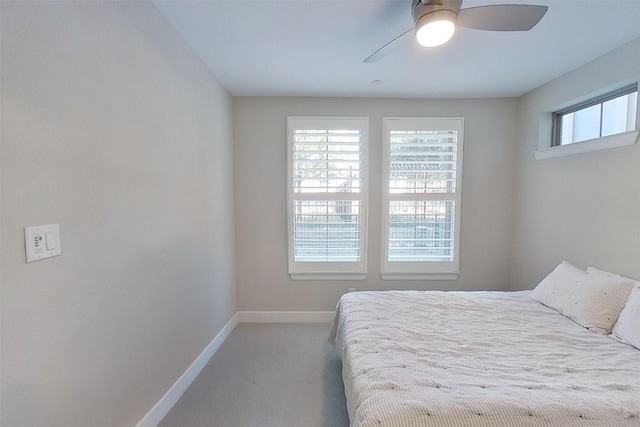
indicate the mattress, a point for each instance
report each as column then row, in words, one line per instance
column 414, row 358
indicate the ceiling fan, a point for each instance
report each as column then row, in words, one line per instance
column 436, row 20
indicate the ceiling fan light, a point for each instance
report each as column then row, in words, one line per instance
column 436, row 28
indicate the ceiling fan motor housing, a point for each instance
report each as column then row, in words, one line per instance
column 421, row 8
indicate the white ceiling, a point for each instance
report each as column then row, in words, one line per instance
column 316, row 47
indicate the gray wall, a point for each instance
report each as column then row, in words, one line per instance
column 112, row 128
column 260, row 178
column 583, row 208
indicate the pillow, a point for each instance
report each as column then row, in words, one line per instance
column 593, row 270
column 591, row 300
column 627, row 328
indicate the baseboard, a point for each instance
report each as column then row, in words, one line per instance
column 286, row 316
column 164, row 405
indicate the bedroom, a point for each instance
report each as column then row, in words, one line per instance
column 107, row 123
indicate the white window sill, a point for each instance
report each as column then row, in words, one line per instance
column 419, row 276
column 328, row 276
column 596, row 144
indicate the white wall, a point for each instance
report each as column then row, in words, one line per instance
column 112, row 128
column 583, row 208
column 260, row 176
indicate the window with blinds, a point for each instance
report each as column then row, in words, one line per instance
column 327, row 197
column 422, row 171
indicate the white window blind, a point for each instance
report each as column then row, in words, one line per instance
column 327, row 197
column 422, row 170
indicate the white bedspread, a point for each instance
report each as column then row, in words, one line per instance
column 479, row 359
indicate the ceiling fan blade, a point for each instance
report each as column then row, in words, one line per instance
column 386, row 49
column 502, row 17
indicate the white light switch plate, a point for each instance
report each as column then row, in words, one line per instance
column 42, row 241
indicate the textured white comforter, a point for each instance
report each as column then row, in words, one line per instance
column 479, row 359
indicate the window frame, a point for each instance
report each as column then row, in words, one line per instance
column 348, row 270
column 420, row 270
column 557, row 116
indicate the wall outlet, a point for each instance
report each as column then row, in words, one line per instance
column 352, row 289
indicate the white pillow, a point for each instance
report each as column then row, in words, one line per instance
column 593, row 270
column 591, row 300
column 627, row 328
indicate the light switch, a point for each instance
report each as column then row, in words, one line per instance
column 52, row 242
column 42, row 241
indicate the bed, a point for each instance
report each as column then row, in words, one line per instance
column 429, row 358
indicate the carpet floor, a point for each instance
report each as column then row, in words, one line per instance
column 267, row 375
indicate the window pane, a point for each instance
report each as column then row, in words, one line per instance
column 632, row 114
column 327, row 231
column 614, row 115
column 422, row 162
column 327, row 161
column 567, row 129
column 586, row 123
column 421, row 230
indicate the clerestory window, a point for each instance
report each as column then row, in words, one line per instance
column 605, row 115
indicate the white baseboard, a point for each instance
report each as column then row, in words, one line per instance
column 286, row 316
column 164, row 405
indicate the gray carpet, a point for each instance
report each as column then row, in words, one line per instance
column 277, row 374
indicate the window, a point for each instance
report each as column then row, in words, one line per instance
column 421, row 194
column 327, row 197
column 610, row 114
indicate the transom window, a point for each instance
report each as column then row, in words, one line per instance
column 610, row 114
column 327, row 194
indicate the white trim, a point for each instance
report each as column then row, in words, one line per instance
column 419, row 276
column 596, row 144
column 164, row 405
column 328, row 276
column 286, row 316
